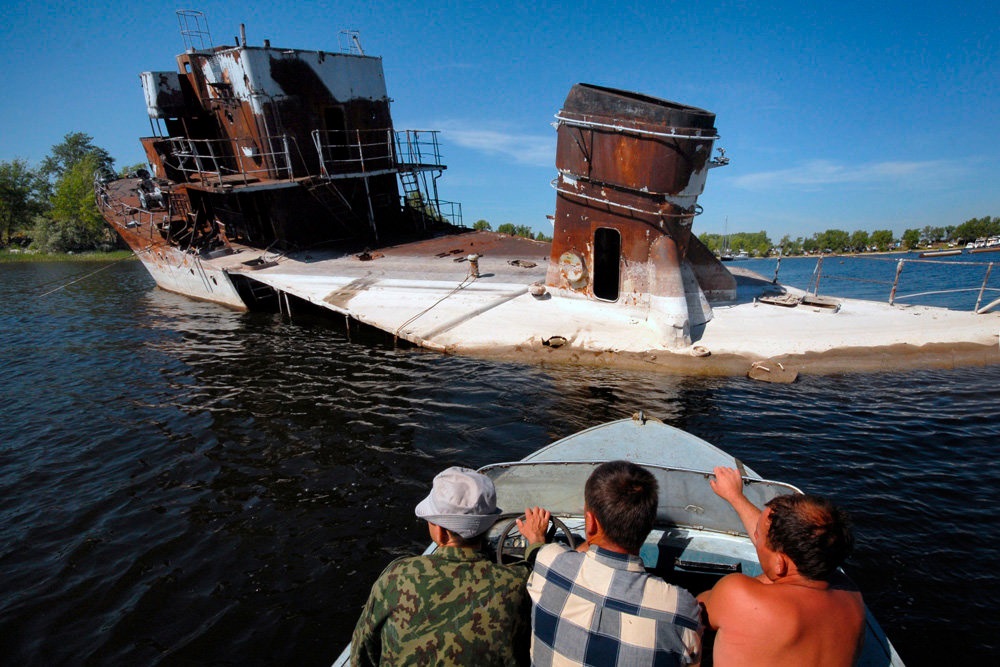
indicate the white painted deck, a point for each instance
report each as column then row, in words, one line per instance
column 432, row 301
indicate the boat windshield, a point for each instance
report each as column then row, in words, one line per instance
column 686, row 499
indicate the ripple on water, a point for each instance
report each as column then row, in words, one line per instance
column 182, row 483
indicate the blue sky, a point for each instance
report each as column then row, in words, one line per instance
column 848, row 115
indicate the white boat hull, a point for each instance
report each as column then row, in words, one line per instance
column 187, row 274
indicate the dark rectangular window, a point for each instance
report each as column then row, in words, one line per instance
column 607, row 263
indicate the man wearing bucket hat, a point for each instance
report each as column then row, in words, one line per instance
column 453, row 606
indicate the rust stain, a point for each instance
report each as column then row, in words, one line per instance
column 342, row 297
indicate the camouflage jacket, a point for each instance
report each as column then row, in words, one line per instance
column 453, row 607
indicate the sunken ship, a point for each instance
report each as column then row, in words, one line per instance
column 277, row 178
column 258, row 148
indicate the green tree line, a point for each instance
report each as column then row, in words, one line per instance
column 511, row 229
column 758, row 244
column 51, row 207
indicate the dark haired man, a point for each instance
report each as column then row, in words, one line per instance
column 801, row 610
column 599, row 606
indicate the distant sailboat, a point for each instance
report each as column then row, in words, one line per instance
column 725, row 254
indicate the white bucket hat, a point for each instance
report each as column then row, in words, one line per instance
column 461, row 500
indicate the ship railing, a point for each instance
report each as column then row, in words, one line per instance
column 418, row 150
column 227, row 160
column 349, row 42
column 194, row 30
column 451, row 211
column 565, row 118
column 124, row 215
column 976, row 275
column 354, row 153
column 435, row 210
column 366, row 153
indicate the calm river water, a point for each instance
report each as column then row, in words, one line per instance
column 182, row 484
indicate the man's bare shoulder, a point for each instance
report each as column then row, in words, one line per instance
column 736, row 594
column 737, row 585
column 732, row 595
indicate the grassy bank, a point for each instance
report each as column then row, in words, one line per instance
column 7, row 256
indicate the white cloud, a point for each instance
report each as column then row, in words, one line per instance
column 530, row 149
column 818, row 174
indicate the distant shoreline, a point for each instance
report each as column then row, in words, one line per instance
column 8, row 257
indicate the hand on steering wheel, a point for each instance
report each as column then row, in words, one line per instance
column 512, row 525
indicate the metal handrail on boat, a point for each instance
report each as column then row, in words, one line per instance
column 139, row 217
column 672, row 133
column 555, row 182
column 222, row 159
column 194, row 30
column 347, row 154
column 357, row 153
column 418, row 148
column 982, row 289
column 450, row 211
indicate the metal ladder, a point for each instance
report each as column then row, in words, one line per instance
column 411, row 185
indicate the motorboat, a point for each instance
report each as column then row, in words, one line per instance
column 697, row 539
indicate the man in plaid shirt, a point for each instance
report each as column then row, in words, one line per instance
column 600, row 607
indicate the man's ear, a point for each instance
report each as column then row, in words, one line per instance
column 591, row 525
column 781, row 564
column 438, row 534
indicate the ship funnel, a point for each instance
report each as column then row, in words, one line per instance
column 631, row 168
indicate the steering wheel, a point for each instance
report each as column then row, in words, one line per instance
column 557, row 524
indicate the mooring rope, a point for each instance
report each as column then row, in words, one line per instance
column 92, row 273
column 468, row 280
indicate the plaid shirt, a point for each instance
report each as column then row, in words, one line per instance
column 602, row 608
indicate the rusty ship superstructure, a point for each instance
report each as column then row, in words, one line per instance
column 262, row 148
column 631, row 168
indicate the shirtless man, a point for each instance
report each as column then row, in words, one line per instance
column 800, row 611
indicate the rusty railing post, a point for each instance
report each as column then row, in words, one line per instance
column 196, row 156
column 318, row 144
column 817, row 272
column 288, row 158
column 215, row 162
column 982, row 289
column 361, row 150
column 895, row 282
